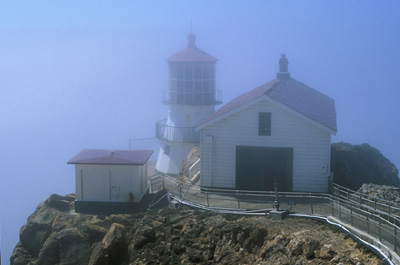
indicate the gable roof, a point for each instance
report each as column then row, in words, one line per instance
column 191, row 53
column 291, row 93
column 111, row 157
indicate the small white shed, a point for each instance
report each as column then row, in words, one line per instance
column 278, row 132
column 111, row 175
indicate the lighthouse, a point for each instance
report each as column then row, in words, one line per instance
column 191, row 97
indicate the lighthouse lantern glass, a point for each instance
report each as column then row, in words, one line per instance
column 192, row 83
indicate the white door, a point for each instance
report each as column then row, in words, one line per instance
column 121, row 186
column 95, row 184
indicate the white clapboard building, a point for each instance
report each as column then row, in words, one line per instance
column 279, row 132
column 110, row 175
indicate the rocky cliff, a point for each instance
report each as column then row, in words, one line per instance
column 354, row 165
column 388, row 193
column 54, row 234
column 191, row 158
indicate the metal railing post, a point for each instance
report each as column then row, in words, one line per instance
column 341, row 202
column 395, row 239
column 351, row 215
column 380, row 228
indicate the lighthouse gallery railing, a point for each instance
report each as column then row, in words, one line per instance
column 212, row 97
column 176, row 134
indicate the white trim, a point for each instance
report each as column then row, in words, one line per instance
column 270, row 100
column 227, row 114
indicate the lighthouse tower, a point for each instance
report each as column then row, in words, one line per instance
column 191, row 98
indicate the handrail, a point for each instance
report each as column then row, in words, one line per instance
column 366, row 195
column 212, row 97
column 349, row 207
column 380, row 206
column 365, row 209
column 192, row 168
column 175, row 133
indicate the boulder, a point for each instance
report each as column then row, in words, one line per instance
column 309, row 248
column 194, row 255
column 41, row 223
column 113, row 249
column 33, row 235
column 326, row 252
column 114, row 236
column 142, row 237
column 224, row 254
column 20, row 255
column 66, row 247
column 258, row 235
column 170, row 236
column 59, row 202
column 354, row 165
column 192, row 157
column 92, row 232
column 388, row 193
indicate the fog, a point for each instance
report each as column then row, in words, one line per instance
column 89, row 74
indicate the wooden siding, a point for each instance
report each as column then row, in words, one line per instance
column 109, row 182
column 311, row 147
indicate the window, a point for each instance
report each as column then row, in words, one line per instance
column 188, row 72
column 180, row 72
column 264, row 123
column 198, row 72
column 192, row 83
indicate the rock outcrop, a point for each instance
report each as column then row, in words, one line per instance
column 354, row 165
column 388, row 193
column 191, row 158
column 55, row 234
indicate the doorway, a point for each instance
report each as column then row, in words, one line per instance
column 258, row 168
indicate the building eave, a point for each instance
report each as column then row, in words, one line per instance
column 111, row 157
column 260, row 99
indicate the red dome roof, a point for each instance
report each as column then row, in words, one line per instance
column 191, row 53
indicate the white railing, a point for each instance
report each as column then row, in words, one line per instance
column 376, row 217
column 176, row 134
column 212, row 97
column 194, row 171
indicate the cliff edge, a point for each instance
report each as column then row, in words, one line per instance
column 55, row 234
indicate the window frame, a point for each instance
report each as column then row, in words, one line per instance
column 264, row 123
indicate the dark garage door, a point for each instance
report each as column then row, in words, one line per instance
column 257, row 168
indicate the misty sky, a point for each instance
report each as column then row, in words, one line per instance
column 89, row 74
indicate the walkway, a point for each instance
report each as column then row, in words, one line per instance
column 357, row 217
